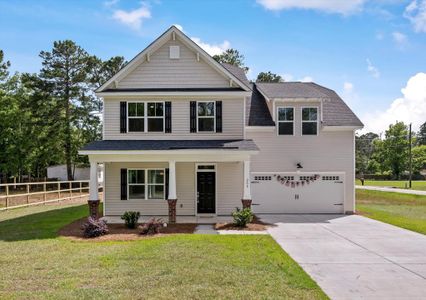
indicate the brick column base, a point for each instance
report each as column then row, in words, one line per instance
column 94, row 208
column 172, row 210
column 246, row 203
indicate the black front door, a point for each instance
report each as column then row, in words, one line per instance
column 206, row 192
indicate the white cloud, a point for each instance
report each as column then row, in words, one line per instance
column 416, row 13
column 331, row 6
column 372, row 69
column 178, row 26
column 212, row 49
column 410, row 108
column 287, row 77
column 133, row 18
column 110, row 3
column 348, row 87
column 306, row 79
column 399, row 38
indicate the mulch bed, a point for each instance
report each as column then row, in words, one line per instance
column 255, row 225
column 119, row 232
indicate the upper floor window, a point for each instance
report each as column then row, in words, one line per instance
column 309, row 121
column 285, row 120
column 145, row 116
column 206, row 116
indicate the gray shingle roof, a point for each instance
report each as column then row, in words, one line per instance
column 335, row 110
column 125, row 145
column 237, row 72
column 257, row 112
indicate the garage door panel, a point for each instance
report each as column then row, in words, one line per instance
column 324, row 195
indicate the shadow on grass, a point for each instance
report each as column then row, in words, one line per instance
column 39, row 225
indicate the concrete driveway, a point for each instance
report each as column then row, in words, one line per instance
column 353, row 257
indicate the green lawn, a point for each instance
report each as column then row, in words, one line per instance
column 416, row 185
column 36, row 264
column 403, row 210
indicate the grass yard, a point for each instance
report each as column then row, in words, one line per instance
column 403, row 210
column 36, row 264
column 416, row 185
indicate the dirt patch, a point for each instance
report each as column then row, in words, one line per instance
column 255, row 225
column 118, row 232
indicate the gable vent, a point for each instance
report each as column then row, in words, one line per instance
column 174, row 52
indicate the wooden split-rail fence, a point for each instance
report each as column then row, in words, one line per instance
column 14, row 195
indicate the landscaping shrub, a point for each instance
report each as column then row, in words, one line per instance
column 153, row 226
column 131, row 218
column 242, row 216
column 94, row 227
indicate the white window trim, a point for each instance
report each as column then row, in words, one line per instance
column 145, row 116
column 207, row 117
column 278, row 121
column 146, row 184
column 302, row 121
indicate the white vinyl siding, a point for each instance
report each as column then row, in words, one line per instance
column 326, row 152
column 162, row 72
column 229, row 177
column 232, row 119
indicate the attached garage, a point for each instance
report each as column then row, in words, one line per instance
column 298, row 192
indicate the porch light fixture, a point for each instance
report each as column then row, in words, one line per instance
column 299, row 166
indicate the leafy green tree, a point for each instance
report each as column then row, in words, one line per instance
column 364, row 149
column 65, row 73
column 232, row 57
column 268, row 77
column 4, row 66
column 419, row 158
column 395, row 148
column 421, row 135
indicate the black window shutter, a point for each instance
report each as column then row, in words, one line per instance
column 168, row 117
column 123, row 117
column 123, row 184
column 166, row 181
column 193, row 116
column 218, row 116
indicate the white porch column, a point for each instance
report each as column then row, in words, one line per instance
column 93, row 184
column 247, row 191
column 172, row 180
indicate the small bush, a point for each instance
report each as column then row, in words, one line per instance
column 94, row 227
column 153, row 226
column 242, row 217
column 131, row 218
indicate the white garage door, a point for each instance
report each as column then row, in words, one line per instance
column 297, row 192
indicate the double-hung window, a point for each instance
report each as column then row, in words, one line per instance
column 309, row 121
column 146, row 184
column 145, row 116
column 136, row 116
column 285, row 120
column 206, row 116
column 155, row 116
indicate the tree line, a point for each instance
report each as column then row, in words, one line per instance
column 389, row 154
column 47, row 116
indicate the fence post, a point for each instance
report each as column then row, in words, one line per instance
column 80, row 189
column 7, row 194
column 59, row 191
column 70, row 188
column 28, row 193
column 45, row 194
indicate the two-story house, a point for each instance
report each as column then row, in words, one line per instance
column 186, row 136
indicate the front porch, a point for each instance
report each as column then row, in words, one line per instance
column 184, row 186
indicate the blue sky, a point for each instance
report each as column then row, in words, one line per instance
column 365, row 50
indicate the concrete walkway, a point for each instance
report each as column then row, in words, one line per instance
column 353, row 257
column 390, row 189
